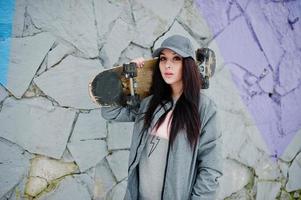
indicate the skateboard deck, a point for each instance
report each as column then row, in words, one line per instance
column 128, row 85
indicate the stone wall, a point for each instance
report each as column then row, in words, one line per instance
column 53, row 142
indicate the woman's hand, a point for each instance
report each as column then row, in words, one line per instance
column 139, row 62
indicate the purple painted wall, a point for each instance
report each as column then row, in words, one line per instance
column 260, row 42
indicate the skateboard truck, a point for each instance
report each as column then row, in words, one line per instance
column 205, row 59
column 130, row 72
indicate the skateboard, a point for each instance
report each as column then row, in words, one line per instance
column 128, row 85
column 206, row 61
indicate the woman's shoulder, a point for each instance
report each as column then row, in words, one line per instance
column 206, row 104
column 145, row 102
column 206, row 100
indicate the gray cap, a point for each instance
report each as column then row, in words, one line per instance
column 177, row 43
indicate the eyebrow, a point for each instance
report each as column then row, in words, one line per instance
column 174, row 53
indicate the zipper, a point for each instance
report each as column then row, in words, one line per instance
column 142, row 134
column 164, row 180
column 167, row 156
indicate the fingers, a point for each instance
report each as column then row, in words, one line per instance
column 139, row 62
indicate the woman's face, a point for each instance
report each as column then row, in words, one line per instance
column 171, row 65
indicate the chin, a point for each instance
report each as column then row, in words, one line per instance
column 169, row 82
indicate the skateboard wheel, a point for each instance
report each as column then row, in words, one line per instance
column 107, row 89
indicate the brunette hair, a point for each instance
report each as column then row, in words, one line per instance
column 185, row 114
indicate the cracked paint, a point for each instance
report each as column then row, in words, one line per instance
column 266, row 70
column 44, row 172
column 252, row 65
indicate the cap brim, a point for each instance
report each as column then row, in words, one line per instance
column 157, row 52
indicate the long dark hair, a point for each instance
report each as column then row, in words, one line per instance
column 185, row 114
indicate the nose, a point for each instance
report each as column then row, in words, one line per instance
column 168, row 64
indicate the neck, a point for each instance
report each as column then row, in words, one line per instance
column 177, row 90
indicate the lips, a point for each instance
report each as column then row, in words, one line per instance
column 168, row 73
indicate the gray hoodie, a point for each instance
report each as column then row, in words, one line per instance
column 189, row 175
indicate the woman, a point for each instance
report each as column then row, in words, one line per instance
column 175, row 152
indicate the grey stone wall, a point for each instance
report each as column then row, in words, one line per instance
column 53, row 142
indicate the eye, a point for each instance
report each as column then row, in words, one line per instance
column 162, row 58
column 177, row 58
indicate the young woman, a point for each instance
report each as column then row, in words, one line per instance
column 175, row 152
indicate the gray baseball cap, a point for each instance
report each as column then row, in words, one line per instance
column 177, row 43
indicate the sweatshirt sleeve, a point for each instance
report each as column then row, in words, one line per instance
column 119, row 113
column 209, row 158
